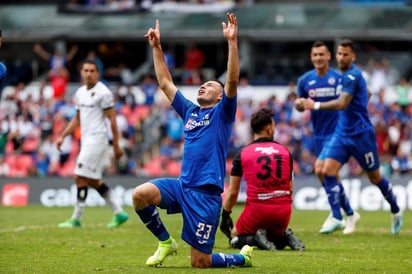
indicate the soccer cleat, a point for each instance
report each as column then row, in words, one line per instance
column 294, row 241
column 71, row 223
column 246, row 251
column 351, row 223
column 262, row 241
column 332, row 226
column 397, row 222
column 329, row 219
column 118, row 219
column 164, row 249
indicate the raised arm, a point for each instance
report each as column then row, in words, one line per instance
column 163, row 76
column 40, row 51
column 233, row 66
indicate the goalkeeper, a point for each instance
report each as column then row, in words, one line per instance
column 267, row 167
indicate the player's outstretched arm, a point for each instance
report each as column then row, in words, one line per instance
column 233, row 65
column 163, row 76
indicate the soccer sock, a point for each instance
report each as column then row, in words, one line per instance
column 107, row 194
column 386, row 188
column 227, row 260
column 333, row 191
column 150, row 217
column 81, row 203
column 344, row 201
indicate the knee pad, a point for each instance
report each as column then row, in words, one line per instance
column 82, row 193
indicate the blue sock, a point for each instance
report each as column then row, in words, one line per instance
column 344, row 201
column 150, row 217
column 386, row 189
column 333, row 191
column 227, row 260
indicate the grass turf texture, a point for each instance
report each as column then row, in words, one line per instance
column 31, row 242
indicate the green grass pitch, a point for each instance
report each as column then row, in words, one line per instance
column 31, row 242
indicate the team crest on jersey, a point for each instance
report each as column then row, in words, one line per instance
column 93, row 94
column 312, row 92
column 331, row 81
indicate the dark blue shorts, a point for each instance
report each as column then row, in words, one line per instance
column 362, row 147
column 200, row 211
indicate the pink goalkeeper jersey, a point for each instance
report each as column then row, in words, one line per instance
column 267, row 167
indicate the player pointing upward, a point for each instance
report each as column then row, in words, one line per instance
column 196, row 193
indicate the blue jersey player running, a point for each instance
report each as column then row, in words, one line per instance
column 196, row 194
column 354, row 136
column 321, row 84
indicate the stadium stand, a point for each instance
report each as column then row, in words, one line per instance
column 283, row 32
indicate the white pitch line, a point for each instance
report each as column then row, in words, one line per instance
column 41, row 227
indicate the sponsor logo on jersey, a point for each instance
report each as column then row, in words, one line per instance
column 192, row 124
column 266, row 150
column 322, row 92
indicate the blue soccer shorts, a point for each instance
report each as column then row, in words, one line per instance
column 200, row 211
column 362, row 147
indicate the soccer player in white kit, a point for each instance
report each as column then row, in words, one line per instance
column 94, row 103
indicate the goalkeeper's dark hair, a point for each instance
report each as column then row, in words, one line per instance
column 261, row 119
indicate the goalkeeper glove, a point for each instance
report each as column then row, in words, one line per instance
column 226, row 224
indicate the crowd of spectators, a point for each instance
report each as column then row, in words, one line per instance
column 151, row 133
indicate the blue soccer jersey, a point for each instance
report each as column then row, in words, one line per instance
column 206, row 136
column 321, row 89
column 355, row 135
column 355, row 118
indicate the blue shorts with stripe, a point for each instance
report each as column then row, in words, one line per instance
column 200, row 208
column 361, row 146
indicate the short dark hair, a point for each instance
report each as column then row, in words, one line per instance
column 347, row 43
column 318, row 44
column 261, row 119
column 91, row 62
column 220, row 83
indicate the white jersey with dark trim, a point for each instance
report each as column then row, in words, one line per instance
column 91, row 103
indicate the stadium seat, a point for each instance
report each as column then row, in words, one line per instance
column 67, row 170
column 154, row 167
column 30, row 144
column 139, row 114
column 173, row 168
column 19, row 165
column 9, row 147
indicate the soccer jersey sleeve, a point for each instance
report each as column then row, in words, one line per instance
column 107, row 100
